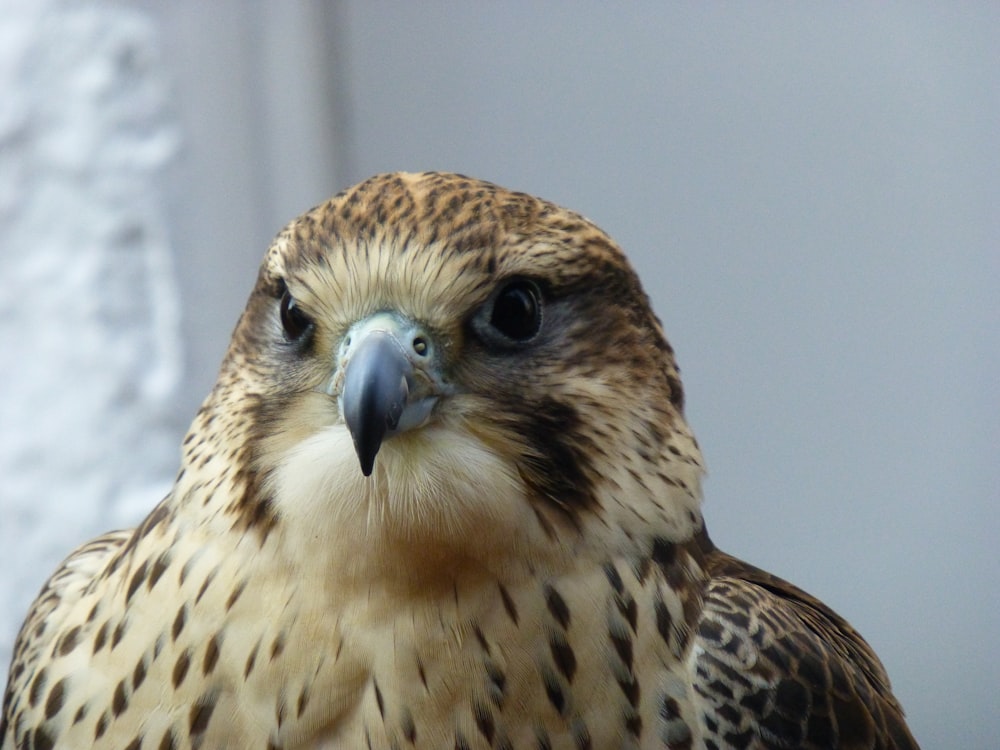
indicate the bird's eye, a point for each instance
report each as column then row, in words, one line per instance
column 295, row 322
column 517, row 311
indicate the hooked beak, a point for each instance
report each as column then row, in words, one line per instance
column 390, row 381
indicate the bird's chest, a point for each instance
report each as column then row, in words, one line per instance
column 584, row 660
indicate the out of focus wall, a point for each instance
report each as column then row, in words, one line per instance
column 90, row 345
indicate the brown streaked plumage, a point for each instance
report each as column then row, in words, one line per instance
column 442, row 495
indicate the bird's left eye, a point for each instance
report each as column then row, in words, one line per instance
column 513, row 317
column 295, row 322
column 517, row 313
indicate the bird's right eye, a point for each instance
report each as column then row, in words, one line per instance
column 295, row 322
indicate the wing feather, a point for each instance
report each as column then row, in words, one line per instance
column 776, row 668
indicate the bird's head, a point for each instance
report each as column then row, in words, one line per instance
column 433, row 360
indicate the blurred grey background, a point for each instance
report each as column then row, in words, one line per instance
column 810, row 192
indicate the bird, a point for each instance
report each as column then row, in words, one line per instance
column 443, row 494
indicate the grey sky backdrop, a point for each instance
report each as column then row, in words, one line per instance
column 810, row 193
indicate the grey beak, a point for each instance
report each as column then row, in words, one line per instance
column 376, row 391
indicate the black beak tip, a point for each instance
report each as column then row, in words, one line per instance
column 367, row 464
column 367, row 448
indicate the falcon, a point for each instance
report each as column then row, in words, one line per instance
column 442, row 495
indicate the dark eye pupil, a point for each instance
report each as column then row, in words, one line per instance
column 516, row 311
column 295, row 322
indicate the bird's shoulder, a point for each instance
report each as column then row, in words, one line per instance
column 49, row 627
column 774, row 665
